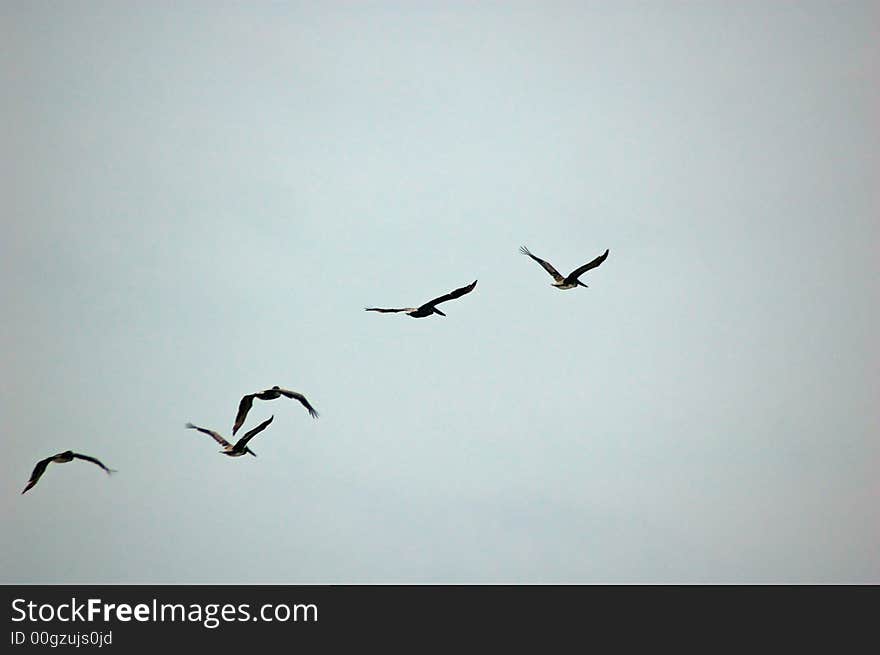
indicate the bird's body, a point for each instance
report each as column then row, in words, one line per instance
column 60, row 458
column 240, row 447
column 429, row 307
column 562, row 286
column 245, row 404
column 571, row 280
column 232, row 452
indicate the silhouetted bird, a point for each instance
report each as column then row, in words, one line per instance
column 429, row 307
column 240, row 447
column 570, row 281
column 244, row 406
column 60, row 458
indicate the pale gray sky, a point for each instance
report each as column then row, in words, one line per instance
column 199, row 200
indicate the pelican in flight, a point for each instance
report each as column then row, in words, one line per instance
column 240, row 447
column 60, row 458
column 570, row 281
column 429, row 307
column 244, row 406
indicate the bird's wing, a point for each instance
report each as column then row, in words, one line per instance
column 216, row 435
column 452, row 295
column 576, row 273
column 244, row 406
column 39, row 469
column 547, row 265
column 250, row 434
column 94, row 461
column 298, row 396
column 385, row 311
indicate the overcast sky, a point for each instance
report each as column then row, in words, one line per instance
column 199, row 200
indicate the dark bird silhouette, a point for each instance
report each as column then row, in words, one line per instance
column 429, row 307
column 570, row 281
column 60, row 458
column 244, row 406
column 240, row 447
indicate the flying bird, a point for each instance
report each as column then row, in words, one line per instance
column 570, row 281
column 240, row 447
column 60, row 458
column 429, row 307
column 244, row 406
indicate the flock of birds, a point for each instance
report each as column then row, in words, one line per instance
column 236, row 449
column 240, row 447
